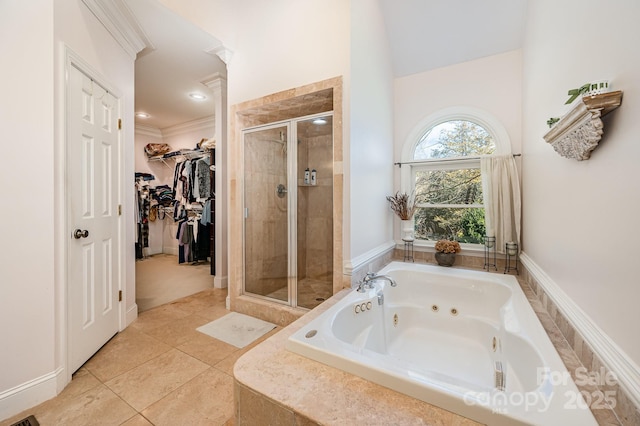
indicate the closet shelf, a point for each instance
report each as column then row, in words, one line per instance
column 187, row 154
column 578, row 132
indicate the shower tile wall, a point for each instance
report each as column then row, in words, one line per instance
column 266, row 224
column 315, row 210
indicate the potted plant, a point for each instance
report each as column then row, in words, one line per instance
column 446, row 252
column 403, row 206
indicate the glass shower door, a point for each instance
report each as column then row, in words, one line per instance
column 266, row 208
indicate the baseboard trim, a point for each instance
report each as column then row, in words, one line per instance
column 359, row 261
column 221, row 282
column 29, row 394
column 627, row 372
column 132, row 314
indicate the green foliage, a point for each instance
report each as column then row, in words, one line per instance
column 465, row 225
column 473, row 227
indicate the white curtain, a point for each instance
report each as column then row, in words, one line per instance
column 501, row 192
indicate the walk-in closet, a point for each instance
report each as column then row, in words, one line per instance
column 175, row 216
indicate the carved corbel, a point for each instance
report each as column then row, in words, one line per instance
column 578, row 133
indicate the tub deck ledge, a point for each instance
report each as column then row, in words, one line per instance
column 276, row 386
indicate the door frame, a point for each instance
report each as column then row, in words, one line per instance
column 63, row 230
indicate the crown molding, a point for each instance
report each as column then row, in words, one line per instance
column 225, row 54
column 215, row 81
column 189, row 126
column 144, row 130
column 118, row 19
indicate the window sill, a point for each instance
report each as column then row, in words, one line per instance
column 428, row 246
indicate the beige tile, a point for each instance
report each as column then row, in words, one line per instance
column 226, row 365
column 137, row 420
column 256, row 409
column 207, row 349
column 159, row 317
column 81, row 381
column 207, row 399
column 213, row 312
column 155, row 379
column 98, row 406
column 125, row 351
column 179, row 331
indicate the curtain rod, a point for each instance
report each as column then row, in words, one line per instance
column 432, row 160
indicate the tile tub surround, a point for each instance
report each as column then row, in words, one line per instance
column 275, row 386
column 576, row 352
column 262, row 372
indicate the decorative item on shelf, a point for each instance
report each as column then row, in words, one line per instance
column 551, row 121
column 489, row 247
column 313, row 177
column 588, row 89
column 407, row 229
column 511, row 248
column 306, row 176
column 446, row 252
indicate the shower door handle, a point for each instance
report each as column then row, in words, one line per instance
column 281, row 190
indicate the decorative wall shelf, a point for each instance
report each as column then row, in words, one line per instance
column 580, row 130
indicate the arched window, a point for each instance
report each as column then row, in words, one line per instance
column 442, row 171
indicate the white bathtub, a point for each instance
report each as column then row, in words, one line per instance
column 441, row 336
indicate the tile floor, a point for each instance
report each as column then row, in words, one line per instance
column 158, row 371
column 161, row 279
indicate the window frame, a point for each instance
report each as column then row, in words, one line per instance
column 409, row 166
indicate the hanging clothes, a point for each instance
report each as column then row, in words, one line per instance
column 143, row 206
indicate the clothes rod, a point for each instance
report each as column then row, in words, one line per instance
column 399, row 164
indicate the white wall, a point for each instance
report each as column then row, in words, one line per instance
column 370, row 151
column 580, row 218
column 279, row 45
column 27, row 292
column 492, row 84
column 32, row 299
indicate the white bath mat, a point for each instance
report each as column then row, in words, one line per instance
column 236, row 329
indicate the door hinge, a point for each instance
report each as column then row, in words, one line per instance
column 119, row 209
column 119, row 123
column 119, row 295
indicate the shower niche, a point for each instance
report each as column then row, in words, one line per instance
column 288, row 210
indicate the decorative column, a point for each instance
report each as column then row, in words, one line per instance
column 218, row 85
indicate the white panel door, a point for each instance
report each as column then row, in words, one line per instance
column 92, row 182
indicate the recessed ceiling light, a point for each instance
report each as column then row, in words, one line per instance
column 142, row 115
column 320, row 120
column 197, row 96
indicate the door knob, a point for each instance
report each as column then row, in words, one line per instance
column 79, row 233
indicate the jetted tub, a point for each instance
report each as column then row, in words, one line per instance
column 466, row 341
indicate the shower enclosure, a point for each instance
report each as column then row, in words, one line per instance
column 288, row 211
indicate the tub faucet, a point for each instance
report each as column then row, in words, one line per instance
column 366, row 283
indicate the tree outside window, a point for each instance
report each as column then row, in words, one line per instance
column 448, row 185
